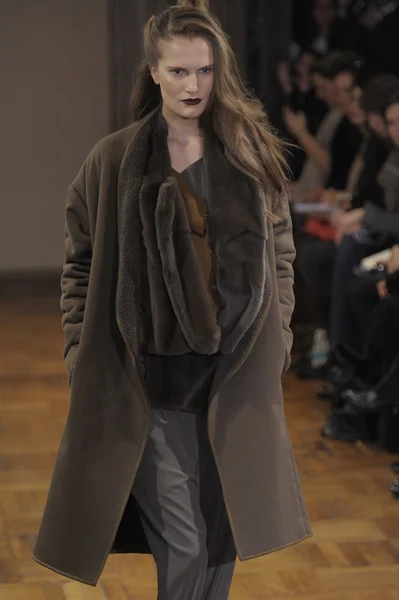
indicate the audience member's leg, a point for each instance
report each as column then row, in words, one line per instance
column 362, row 299
column 316, row 264
column 350, row 253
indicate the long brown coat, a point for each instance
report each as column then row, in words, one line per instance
column 90, row 511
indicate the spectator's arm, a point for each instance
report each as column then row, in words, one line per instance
column 296, row 125
column 377, row 219
column 315, row 151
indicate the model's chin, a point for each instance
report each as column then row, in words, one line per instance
column 191, row 111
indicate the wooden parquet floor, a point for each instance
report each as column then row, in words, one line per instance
column 354, row 554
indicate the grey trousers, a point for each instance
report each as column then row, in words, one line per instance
column 178, row 491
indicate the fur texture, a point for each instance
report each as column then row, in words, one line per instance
column 182, row 312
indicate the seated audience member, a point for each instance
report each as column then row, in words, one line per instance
column 366, row 343
column 364, row 295
column 303, row 97
column 372, row 101
column 298, row 90
column 316, row 147
column 334, row 155
column 377, row 230
column 300, row 97
column 369, row 377
column 316, row 255
column 381, row 18
column 347, row 73
column 386, row 218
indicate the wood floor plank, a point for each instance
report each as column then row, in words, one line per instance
column 22, row 592
column 354, row 554
column 53, row 591
column 113, row 590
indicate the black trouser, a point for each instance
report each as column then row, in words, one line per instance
column 178, row 491
column 361, row 300
column 349, row 255
column 316, row 264
column 375, row 356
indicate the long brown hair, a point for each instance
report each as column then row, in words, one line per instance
column 236, row 117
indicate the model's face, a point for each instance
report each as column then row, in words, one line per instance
column 377, row 124
column 185, row 72
column 392, row 116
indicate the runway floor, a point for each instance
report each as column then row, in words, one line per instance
column 354, row 554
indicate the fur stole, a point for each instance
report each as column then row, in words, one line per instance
column 182, row 313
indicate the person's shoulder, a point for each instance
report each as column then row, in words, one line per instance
column 112, row 147
column 105, row 157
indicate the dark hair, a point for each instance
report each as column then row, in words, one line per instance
column 377, row 93
column 339, row 62
column 333, row 64
column 393, row 99
column 313, row 53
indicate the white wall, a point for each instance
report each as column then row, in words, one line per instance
column 53, row 108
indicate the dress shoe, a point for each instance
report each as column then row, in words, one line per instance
column 326, row 391
column 331, row 389
column 345, row 426
column 340, row 376
column 303, row 369
column 367, row 401
column 395, row 467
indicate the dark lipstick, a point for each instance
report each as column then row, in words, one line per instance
column 192, row 101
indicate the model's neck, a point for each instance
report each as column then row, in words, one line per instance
column 181, row 129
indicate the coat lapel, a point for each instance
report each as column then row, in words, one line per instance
column 129, row 239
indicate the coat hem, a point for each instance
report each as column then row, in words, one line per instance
column 265, row 552
column 241, row 558
column 63, row 573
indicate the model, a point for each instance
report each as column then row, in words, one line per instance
column 177, row 298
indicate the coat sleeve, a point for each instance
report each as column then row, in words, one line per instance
column 285, row 256
column 76, row 273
